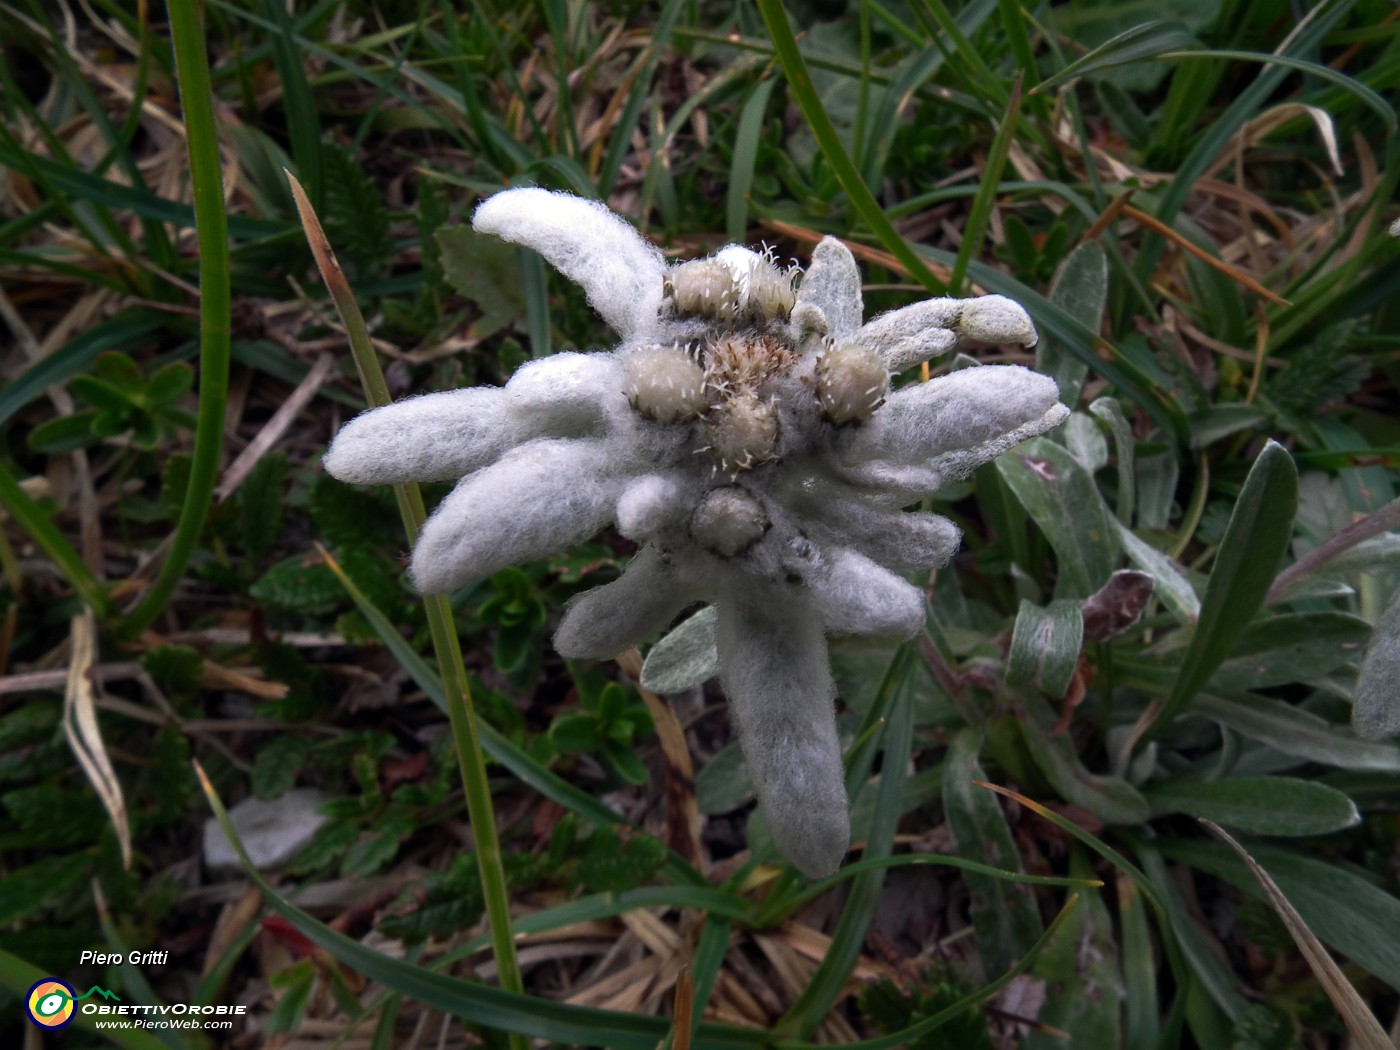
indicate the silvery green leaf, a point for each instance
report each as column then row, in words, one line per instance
column 1045, row 646
column 1112, row 800
column 1377, row 711
column 1293, row 647
column 685, row 658
column 1062, row 499
column 1295, row 732
column 1080, row 288
column 1262, row 805
column 1085, row 442
column 723, row 782
column 1111, row 412
column 1377, row 554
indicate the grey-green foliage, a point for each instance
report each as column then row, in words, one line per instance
column 1377, row 711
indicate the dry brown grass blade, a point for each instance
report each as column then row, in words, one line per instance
column 1234, row 273
column 1365, row 1030
column 275, row 427
column 682, row 805
column 85, row 735
column 684, row 1010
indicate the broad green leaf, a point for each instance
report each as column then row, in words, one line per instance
column 1377, row 711
column 1294, row 732
column 1218, row 421
column 685, row 658
column 1080, row 289
column 1062, row 499
column 1245, row 565
column 485, row 270
column 1346, row 911
column 1045, row 646
column 1112, row 800
column 1004, row 915
column 1290, row 648
column 723, row 782
column 1262, row 805
column 1148, row 40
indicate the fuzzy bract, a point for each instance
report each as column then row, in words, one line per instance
column 744, row 433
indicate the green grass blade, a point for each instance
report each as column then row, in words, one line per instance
column 1249, row 556
column 51, row 541
column 215, row 305
column 521, row 1015
column 862, row 200
column 446, row 644
column 530, row 772
column 19, row 976
column 745, row 161
column 907, row 1036
column 1155, row 39
column 975, row 230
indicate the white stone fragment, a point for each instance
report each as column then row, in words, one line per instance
column 272, row 830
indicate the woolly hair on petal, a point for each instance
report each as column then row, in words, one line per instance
column 652, row 502
column 605, row 621
column 853, row 595
column 773, row 667
column 913, row 334
column 958, row 418
column 620, row 272
column 896, row 539
column 539, row 498
column 435, row 437
column 568, row 395
column 832, row 285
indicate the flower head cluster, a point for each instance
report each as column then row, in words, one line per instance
column 746, row 435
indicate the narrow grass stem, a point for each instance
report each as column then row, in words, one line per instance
column 975, row 232
column 215, row 305
column 862, row 200
column 50, row 540
column 445, row 641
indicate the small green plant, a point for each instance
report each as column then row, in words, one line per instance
column 123, row 401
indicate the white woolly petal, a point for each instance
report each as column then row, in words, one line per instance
column 652, row 502
column 953, row 424
column 856, row 596
column 832, row 285
column 597, row 250
column 914, row 334
column 837, row 514
column 567, row 395
column 603, row 622
column 539, row 498
column 773, row 666
column 996, row 319
column 430, row 438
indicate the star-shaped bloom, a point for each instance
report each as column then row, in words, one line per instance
column 745, row 434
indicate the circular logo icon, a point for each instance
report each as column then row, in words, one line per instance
column 50, row 1003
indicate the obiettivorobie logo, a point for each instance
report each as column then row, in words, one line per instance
column 50, row 1001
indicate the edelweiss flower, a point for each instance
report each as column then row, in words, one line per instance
column 745, row 435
